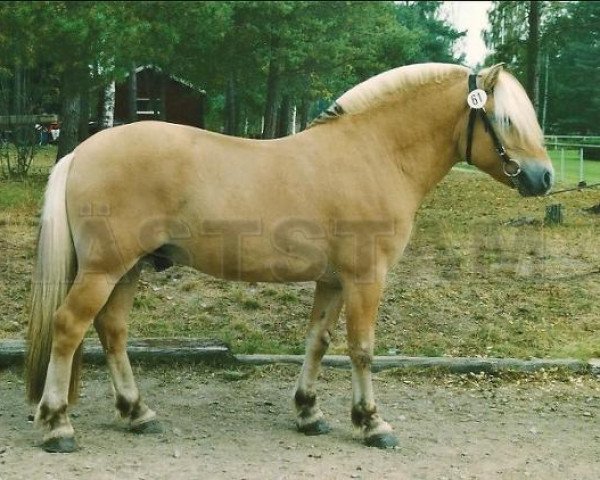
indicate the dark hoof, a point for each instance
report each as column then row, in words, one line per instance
column 60, row 445
column 149, row 427
column 320, row 427
column 382, row 440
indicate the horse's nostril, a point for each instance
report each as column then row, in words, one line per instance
column 547, row 181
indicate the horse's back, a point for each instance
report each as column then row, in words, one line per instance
column 149, row 158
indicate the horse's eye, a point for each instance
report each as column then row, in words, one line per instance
column 505, row 122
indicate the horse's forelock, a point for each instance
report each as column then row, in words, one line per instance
column 512, row 105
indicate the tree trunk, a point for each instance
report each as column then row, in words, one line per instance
column 230, row 107
column 201, row 108
column 533, row 49
column 293, row 120
column 70, row 113
column 554, row 214
column 545, row 95
column 19, row 91
column 132, row 95
column 108, row 106
column 83, row 130
column 303, row 113
column 283, row 118
column 271, row 101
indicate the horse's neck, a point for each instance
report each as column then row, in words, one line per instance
column 415, row 134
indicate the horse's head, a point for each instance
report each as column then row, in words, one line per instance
column 502, row 136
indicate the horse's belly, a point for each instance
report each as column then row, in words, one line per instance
column 256, row 258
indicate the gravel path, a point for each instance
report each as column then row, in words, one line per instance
column 239, row 425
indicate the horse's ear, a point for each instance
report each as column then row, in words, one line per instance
column 490, row 76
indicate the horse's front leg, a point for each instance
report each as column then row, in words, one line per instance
column 362, row 304
column 326, row 310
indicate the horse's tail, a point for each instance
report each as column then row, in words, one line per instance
column 53, row 275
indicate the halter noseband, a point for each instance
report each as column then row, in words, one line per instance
column 477, row 106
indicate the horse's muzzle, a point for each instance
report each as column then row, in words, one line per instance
column 534, row 179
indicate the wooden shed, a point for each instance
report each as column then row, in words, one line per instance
column 159, row 96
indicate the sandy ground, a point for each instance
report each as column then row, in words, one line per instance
column 231, row 425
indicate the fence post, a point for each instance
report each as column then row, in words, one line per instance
column 581, row 176
column 562, row 164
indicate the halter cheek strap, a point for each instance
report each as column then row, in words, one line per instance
column 511, row 167
column 472, row 118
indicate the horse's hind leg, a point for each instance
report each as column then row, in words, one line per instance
column 326, row 310
column 85, row 299
column 111, row 325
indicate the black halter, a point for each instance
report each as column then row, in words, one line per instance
column 508, row 162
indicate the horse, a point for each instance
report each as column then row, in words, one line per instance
column 333, row 204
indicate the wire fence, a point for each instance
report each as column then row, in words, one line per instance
column 576, row 158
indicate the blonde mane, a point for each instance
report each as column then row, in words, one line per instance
column 512, row 106
column 378, row 89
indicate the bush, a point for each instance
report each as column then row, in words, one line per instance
column 17, row 148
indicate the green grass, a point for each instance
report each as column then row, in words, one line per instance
column 16, row 196
column 24, row 195
column 570, row 173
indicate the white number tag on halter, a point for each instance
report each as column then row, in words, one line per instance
column 477, row 98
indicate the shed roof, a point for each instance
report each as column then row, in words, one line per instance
column 172, row 77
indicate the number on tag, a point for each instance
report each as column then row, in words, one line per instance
column 477, row 98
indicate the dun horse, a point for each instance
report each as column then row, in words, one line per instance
column 333, row 204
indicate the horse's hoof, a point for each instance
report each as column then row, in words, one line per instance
column 149, row 427
column 60, row 445
column 382, row 440
column 318, row 427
